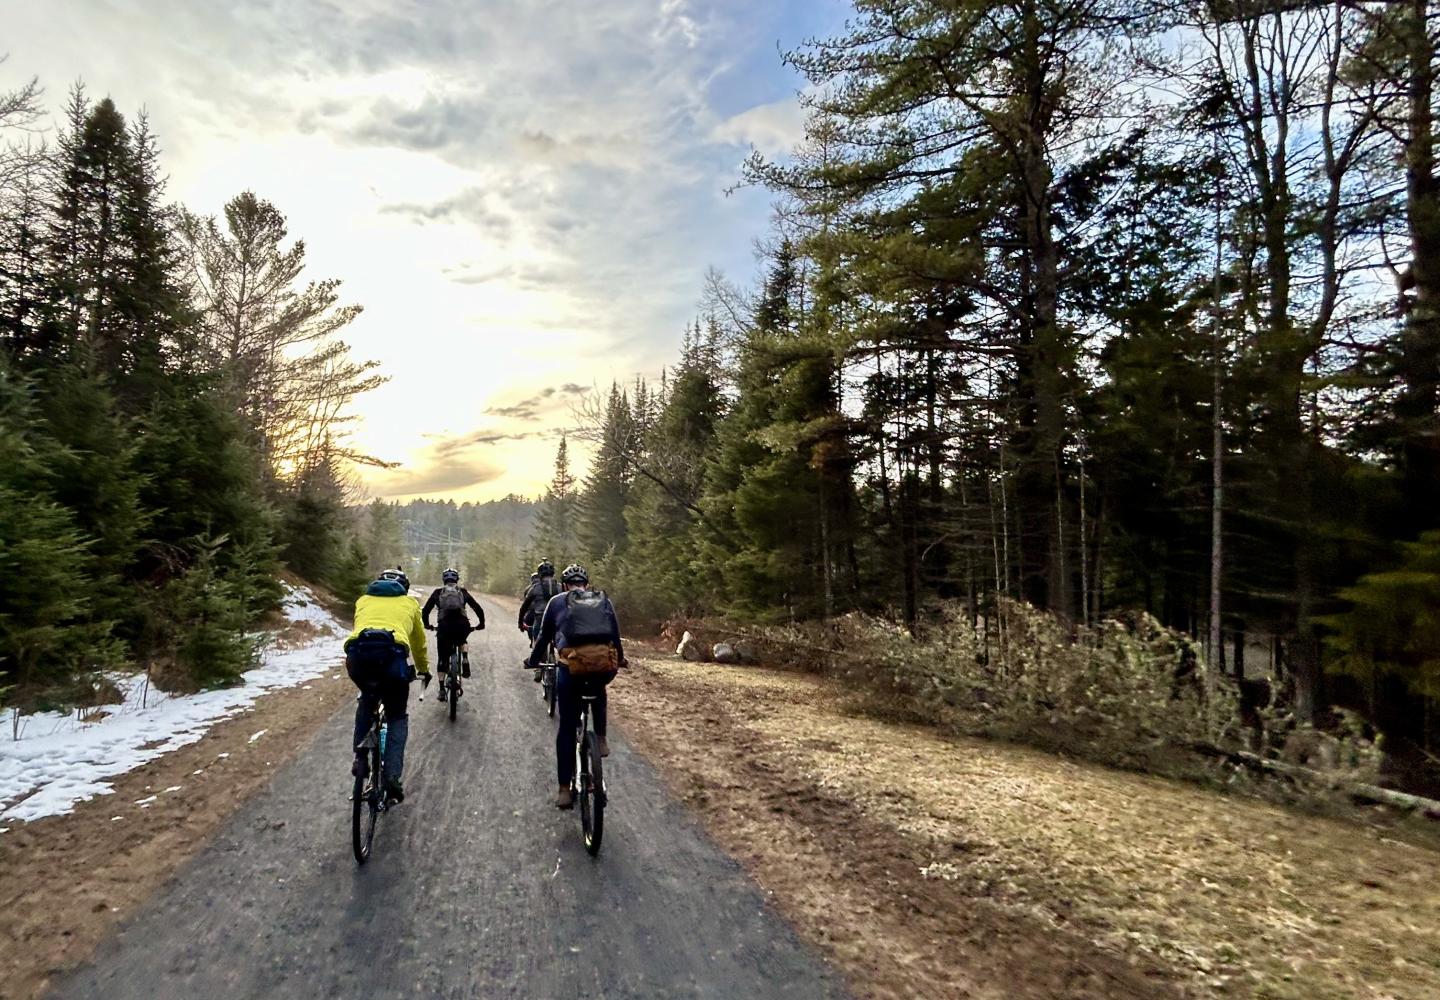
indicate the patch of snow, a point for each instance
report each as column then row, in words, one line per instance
column 174, row 788
column 256, row 736
column 147, row 800
column 60, row 761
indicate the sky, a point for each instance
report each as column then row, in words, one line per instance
column 524, row 195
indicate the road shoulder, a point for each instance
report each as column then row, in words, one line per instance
column 66, row 881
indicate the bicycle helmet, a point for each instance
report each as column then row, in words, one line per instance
column 575, row 573
column 546, row 568
column 450, row 576
column 396, row 574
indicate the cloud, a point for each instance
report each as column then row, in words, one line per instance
column 541, row 405
column 440, row 475
column 774, row 129
column 472, row 206
column 448, row 447
column 437, row 123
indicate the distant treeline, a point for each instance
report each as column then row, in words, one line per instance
column 172, row 405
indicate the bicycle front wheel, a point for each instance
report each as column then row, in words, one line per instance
column 592, row 798
column 454, row 681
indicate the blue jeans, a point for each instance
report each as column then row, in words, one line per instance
column 391, row 685
column 567, row 694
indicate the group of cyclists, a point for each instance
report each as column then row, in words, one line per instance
column 390, row 625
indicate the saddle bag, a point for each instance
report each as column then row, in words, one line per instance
column 590, row 659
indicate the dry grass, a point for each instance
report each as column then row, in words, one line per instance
column 1238, row 898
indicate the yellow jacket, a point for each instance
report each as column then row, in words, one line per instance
column 392, row 609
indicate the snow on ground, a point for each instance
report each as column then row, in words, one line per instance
column 59, row 760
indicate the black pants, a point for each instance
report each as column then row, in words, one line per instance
column 568, row 690
column 447, row 637
column 391, row 686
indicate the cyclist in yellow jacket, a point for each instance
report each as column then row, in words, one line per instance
column 388, row 630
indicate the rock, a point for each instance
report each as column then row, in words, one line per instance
column 744, row 652
column 725, row 653
column 690, row 648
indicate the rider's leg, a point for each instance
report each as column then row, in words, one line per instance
column 444, row 645
column 364, row 715
column 396, row 694
column 567, row 696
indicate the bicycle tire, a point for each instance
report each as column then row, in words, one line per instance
column 365, row 807
column 548, row 684
column 452, row 678
column 592, row 799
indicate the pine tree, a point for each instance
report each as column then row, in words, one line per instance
column 555, row 529
column 600, row 512
column 662, row 572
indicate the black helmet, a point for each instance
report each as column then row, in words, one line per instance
column 546, row 568
column 450, row 576
column 575, row 573
column 396, row 574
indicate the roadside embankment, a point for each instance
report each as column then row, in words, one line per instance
column 936, row 867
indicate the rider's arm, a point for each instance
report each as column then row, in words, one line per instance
column 429, row 606
column 479, row 612
column 548, row 625
column 615, row 634
column 524, row 606
column 418, row 652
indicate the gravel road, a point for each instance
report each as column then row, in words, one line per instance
column 478, row 886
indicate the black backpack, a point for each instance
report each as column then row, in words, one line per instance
column 541, row 591
column 588, row 618
column 370, row 655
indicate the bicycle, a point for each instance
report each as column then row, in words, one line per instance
column 368, row 800
column 588, row 785
column 457, row 666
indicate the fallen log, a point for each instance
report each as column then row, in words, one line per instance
column 1357, row 790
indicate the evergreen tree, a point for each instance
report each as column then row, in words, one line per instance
column 555, row 523
column 600, row 528
column 663, row 571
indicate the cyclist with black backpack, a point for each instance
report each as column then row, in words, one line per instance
column 537, row 595
column 586, row 632
column 388, row 630
column 453, row 626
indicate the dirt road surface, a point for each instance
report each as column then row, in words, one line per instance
column 478, row 886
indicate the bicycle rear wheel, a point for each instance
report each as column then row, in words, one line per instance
column 592, row 796
column 365, row 804
column 547, row 678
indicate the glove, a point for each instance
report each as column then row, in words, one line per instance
column 524, row 629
